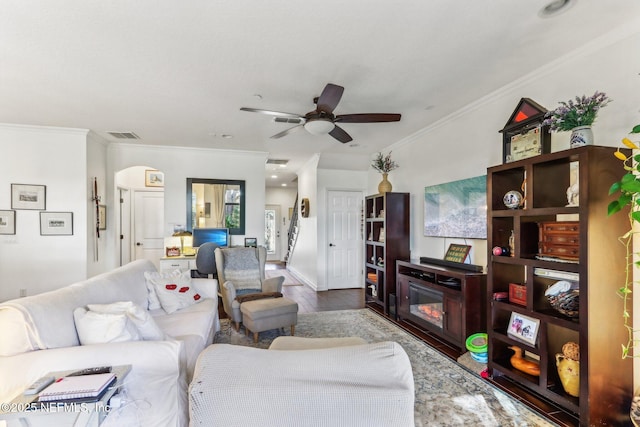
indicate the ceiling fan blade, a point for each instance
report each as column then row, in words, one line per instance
column 340, row 134
column 368, row 118
column 287, row 132
column 272, row 113
column 329, row 98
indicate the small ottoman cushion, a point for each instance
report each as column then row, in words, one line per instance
column 271, row 313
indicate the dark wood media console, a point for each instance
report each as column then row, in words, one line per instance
column 450, row 303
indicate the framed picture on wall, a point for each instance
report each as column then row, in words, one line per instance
column 153, row 178
column 7, row 222
column 56, row 223
column 27, row 196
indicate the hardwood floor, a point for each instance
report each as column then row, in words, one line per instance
column 310, row 301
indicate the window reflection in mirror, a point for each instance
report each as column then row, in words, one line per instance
column 216, row 203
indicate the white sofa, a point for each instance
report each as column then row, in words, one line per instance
column 39, row 336
column 298, row 383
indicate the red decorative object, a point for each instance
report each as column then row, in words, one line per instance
column 518, row 294
column 171, row 287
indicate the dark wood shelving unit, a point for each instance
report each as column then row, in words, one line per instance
column 386, row 241
column 605, row 378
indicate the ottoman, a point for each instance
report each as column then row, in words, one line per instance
column 269, row 313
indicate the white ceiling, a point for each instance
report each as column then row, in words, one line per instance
column 177, row 72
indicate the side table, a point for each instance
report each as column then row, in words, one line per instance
column 28, row 411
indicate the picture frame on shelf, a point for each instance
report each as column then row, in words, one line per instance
column 56, row 223
column 102, row 217
column 7, row 222
column 28, row 197
column 523, row 328
column 250, row 242
column 153, row 178
column 457, row 253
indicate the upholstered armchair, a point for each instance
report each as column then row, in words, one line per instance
column 241, row 272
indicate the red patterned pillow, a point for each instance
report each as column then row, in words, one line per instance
column 176, row 292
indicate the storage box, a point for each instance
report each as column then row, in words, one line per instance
column 560, row 239
column 517, row 294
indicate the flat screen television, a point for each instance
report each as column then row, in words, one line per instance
column 219, row 236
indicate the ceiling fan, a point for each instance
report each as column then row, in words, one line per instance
column 322, row 120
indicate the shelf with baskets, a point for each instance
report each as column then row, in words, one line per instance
column 386, row 240
column 558, row 263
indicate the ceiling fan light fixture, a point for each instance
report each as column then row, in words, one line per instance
column 319, row 126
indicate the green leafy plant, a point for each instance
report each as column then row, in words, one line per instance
column 384, row 164
column 629, row 195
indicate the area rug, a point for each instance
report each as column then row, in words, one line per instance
column 447, row 394
column 289, row 279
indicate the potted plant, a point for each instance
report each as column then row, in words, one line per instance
column 629, row 195
column 384, row 165
column 577, row 116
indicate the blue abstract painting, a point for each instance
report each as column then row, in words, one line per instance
column 456, row 209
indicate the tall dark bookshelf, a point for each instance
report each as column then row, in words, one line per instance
column 605, row 378
column 386, row 241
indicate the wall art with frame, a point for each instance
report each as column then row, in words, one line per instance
column 28, row 196
column 457, row 209
column 153, row 178
column 102, row 217
column 7, row 222
column 56, row 223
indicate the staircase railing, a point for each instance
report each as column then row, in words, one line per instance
column 292, row 234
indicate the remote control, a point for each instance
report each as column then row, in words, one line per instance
column 91, row 371
column 38, row 385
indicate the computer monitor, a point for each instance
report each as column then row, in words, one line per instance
column 219, row 236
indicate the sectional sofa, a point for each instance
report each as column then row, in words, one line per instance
column 42, row 333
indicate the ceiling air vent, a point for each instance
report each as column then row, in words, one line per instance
column 124, row 135
column 287, row 120
column 277, row 162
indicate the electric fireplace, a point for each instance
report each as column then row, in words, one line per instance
column 426, row 305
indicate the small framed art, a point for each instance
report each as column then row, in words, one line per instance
column 251, row 242
column 102, row 217
column 7, row 222
column 27, row 196
column 56, row 223
column 523, row 328
column 153, row 178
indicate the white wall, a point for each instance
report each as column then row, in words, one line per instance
column 284, row 197
column 178, row 164
column 96, row 168
column 464, row 144
column 303, row 261
column 56, row 158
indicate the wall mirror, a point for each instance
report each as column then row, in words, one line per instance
column 215, row 203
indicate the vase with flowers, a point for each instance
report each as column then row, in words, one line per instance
column 384, row 165
column 577, row 116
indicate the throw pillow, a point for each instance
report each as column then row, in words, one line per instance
column 175, row 292
column 98, row 328
column 144, row 323
column 242, row 268
column 152, row 297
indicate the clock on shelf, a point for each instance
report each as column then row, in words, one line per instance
column 524, row 135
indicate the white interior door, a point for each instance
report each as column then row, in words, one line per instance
column 272, row 232
column 148, row 225
column 344, row 237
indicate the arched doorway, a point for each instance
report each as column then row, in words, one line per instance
column 140, row 217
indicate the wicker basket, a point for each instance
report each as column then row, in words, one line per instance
column 567, row 302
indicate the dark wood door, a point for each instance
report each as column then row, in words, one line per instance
column 453, row 318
